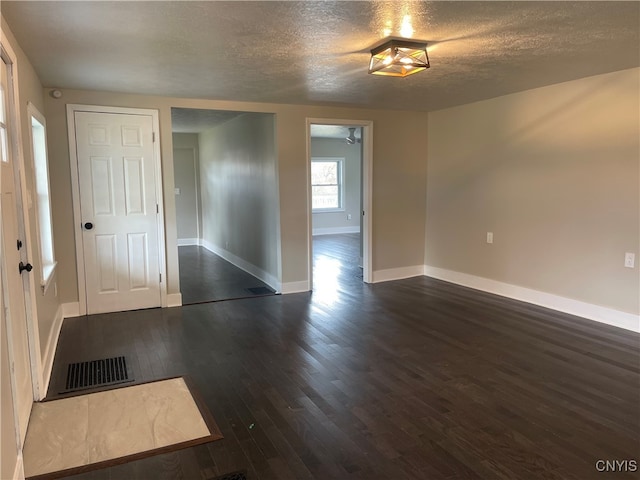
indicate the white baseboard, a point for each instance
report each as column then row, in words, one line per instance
column 590, row 311
column 71, row 309
column 185, row 242
column 50, row 351
column 397, row 273
column 18, row 472
column 174, row 299
column 241, row 263
column 334, row 230
column 295, row 287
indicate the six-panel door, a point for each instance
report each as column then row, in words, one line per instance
column 119, row 211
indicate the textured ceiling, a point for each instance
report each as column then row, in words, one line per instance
column 317, row 52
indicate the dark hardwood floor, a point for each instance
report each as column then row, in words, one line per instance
column 411, row 379
column 207, row 277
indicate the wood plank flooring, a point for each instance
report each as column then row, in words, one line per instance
column 336, row 261
column 207, row 277
column 412, row 379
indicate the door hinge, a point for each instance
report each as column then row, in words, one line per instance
column 153, row 137
column 157, row 208
column 160, row 278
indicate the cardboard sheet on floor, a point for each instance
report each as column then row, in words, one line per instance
column 86, row 432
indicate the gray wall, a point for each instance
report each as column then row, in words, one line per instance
column 186, row 178
column 239, row 189
column 553, row 173
column 352, row 154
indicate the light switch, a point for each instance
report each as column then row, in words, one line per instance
column 629, row 260
column 489, row 237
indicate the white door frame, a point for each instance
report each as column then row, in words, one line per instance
column 367, row 187
column 15, row 146
column 75, row 190
column 24, row 227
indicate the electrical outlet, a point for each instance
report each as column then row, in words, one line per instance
column 176, row 191
column 489, row 237
column 348, row 216
column 629, row 260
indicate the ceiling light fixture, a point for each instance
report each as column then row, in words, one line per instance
column 399, row 58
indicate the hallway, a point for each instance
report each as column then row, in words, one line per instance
column 207, row 277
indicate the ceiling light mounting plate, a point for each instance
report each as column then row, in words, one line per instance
column 399, row 58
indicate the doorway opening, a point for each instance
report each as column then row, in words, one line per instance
column 227, row 208
column 339, row 197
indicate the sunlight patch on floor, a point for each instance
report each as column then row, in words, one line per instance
column 326, row 271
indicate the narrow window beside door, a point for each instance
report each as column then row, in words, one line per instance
column 4, row 153
column 43, row 204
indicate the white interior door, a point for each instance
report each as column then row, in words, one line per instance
column 119, row 211
column 12, row 255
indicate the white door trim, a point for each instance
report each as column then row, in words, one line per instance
column 367, row 187
column 75, row 191
column 15, row 145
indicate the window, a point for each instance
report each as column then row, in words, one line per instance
column 43, row 204
column 4, row 154
column 326, row 184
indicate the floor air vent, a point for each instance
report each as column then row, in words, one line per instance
column 261, row 291
column 97, row 373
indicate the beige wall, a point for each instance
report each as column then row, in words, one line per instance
column 186, row 178
column 554, row 174
column 399, row 179
column 352, row 154
column 238, row 179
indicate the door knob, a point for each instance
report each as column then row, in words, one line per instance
column 22, row 267
column 88, row 225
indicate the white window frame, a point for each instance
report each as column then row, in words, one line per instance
column 340, row 162
column 42, row 187
column 4, row 140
